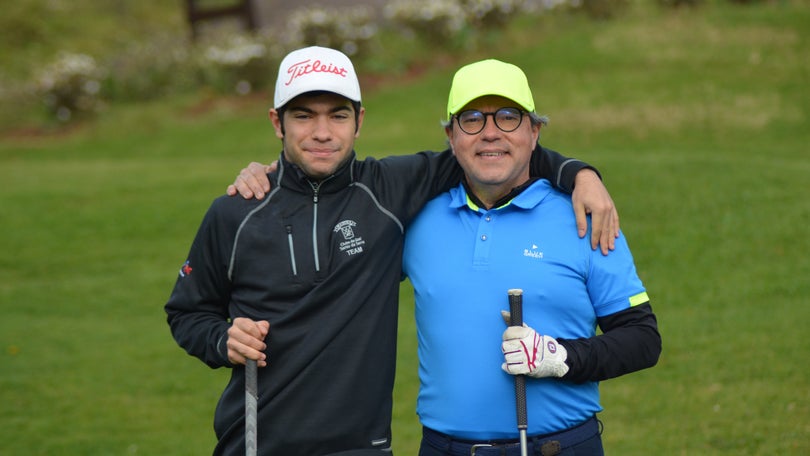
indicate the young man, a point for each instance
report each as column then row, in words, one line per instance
column 306, row 280
column 501, row 229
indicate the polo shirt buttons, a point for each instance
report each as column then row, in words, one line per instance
column 487, row 218
column 484, row 223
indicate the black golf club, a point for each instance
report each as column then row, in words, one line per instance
column 516, row 311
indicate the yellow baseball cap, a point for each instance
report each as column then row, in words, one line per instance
column 489, row 77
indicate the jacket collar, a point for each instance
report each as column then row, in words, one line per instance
column 291, row 176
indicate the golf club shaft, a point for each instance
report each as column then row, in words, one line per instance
column 251, row 404
column 516, row 311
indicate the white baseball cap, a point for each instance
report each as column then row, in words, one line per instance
column 312, row 69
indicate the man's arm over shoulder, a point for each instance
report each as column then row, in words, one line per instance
column 558, row 169
column 410, row 181
column 588, row 194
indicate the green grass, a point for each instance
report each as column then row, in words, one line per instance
column 698, row 121
column 33, row 30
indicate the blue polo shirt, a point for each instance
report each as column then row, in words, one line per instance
column 461, row 260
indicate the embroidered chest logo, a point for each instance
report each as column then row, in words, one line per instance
column 533, row 252
column 351, row 243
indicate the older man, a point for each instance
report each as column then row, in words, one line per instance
column 502, row 229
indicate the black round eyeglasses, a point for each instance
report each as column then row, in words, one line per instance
column 473, row 121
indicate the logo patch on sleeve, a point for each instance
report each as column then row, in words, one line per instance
column 185, row 269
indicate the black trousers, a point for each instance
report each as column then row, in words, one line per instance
column 582, row 440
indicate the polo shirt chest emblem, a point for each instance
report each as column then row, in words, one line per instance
column 533, row 252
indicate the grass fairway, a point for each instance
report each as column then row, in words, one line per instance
column 699, row 121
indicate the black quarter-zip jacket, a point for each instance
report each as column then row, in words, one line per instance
column 321, row 261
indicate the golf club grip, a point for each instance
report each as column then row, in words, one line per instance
column 516, row 306
column 251, row 407
column 516, row 319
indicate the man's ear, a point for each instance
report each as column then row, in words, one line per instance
column 536, row 132
column 448, row 131
column 360, row 116
column 275, row 118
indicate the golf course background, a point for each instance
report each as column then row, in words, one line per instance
column 697, row 118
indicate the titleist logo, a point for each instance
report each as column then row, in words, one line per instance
column 304, row 68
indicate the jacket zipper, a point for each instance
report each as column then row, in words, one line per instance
column 292, row 251
column 316, row 187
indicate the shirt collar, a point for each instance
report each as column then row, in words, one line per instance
column 525, row 196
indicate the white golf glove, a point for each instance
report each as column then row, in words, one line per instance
column 535, row 355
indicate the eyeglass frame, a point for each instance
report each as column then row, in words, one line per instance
column 494, row 119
